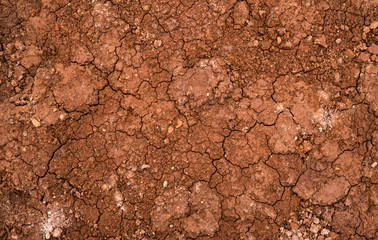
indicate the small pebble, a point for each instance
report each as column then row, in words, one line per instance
column 146, row 7
column 314, row 228
column 144, row 166
column 338, row 40
column 279, row 40
column 170, row 129
column 324, row 231
column 35, row 122
column 111, row 49
column 289, row 233
column 179, row 123
column 374, row 164
column 157, row 43
column 373, row 25
column 57, row 232
column 322, row 41
column 308, row 4
column 365, row 29
column 165, row 184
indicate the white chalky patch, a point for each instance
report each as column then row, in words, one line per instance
column 324, row 118
column 53, row 222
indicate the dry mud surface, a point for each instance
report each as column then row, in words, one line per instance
column 182, row 119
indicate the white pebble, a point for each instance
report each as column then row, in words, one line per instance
column 324, row 231
column 165, row 184
column 57, row 232
column 144, row 166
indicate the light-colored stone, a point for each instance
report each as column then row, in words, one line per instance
column 146, row 7
column 179, row 123
column 57, row 232
column 144, row 166
column 373, row 25
column 35, row 122
column 324, row 231
column 111, row 49
column 279, row 40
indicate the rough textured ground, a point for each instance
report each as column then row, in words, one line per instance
column 207, row 119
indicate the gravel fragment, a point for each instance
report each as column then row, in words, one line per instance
column 35, row 122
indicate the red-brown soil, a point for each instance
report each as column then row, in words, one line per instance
column 182, row 119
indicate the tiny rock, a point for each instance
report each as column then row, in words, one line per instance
column 344, row 27
column 364, row 56
column 338, row 40
column 157, row 43
column 111, row 49
column 366, row 29
column 373, row 25
column 179, row 123
column 144, row 166
column 314, row 228
column 308, row 4
column 374, row 164
column 279, row 40
column 322, row 41
column 35, row 122
column 373, row 49
column 146, row 7
column 170, row 129
column 57, row 232
column 337, row 77
column 324, row 231
column 165, row 184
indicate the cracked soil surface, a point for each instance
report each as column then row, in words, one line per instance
column 184, row 119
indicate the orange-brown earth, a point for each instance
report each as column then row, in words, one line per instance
column 182, row 119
